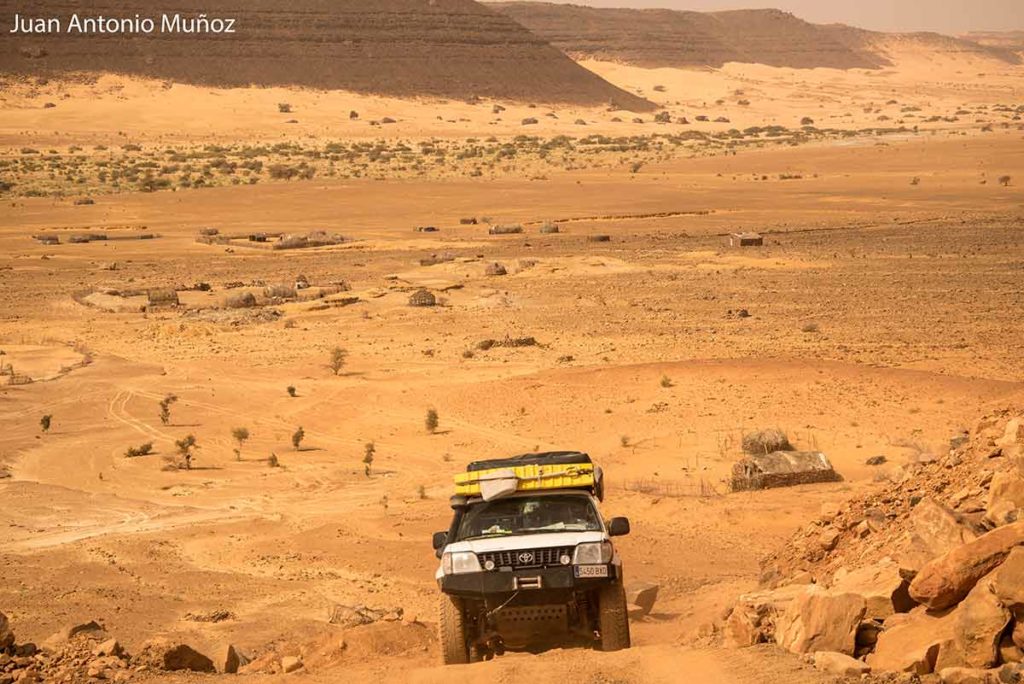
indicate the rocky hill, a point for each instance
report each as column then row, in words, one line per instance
column 442, row 48
column 669, row 38
column 925, row 575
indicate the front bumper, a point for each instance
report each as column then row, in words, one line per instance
column 490, row 583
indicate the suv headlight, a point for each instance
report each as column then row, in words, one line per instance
column 593, row 553
column 459, row 562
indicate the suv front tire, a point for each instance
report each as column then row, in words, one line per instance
column 455, row 648
column 613, row 617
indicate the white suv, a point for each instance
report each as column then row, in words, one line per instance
column 528, row 570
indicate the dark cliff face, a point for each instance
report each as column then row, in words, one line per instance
column 442, row 48
column 669, row 38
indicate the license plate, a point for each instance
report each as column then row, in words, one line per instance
column 591, row 570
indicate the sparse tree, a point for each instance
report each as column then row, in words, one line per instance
column 297, row 437
column 432, row 421
column 185, row 447
column 292, row 391
column 337, row 361
column 45, row 422
column 1005, row 181
column 368, row 453
column 165, row 408
column 624, row 440
column 241, row 435
column 422, row 492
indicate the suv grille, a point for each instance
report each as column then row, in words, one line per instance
column 526, row 558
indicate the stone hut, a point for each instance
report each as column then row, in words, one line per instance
column 782, row 469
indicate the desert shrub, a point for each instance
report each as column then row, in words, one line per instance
column 242, row 300
column 530, row 121
column 292, row 392
column 272, row 461
column 1004, row 181
column 599, row 238
column 666, row 381
column 45, row 422
column 284, row 108
column 624, row 440
column 165, row 408
column 337, row 360
column 766, row 441
column 240, row 435
column 142, row 450
column 915, row 180
column 807, row 121
column 548, row 228
column 431, row 421
column 422, row 297
column 368, row 452
column 511, row 342
column 810, row 327
column 185, row 447
column 297, row 437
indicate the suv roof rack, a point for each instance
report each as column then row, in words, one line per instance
column 541, row 458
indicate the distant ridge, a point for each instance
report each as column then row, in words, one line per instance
column 671, row 38
column 441, row 48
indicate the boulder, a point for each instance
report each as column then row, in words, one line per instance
column 979, row 624
column 965, row 675
column 883, row 589
column 110, row 647
column 753, row 619
column 1009, row 652
column 946, row 580
column 229, row 659
column 643, row 595
column 818, row 620
column 1005, row 498
column 912, row 642
column 1008, row 583
column 839, row 664
column 290, row 664
column 934, row 530
column 163, row 654
column 6, row 635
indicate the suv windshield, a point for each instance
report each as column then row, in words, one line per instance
column 529, row 515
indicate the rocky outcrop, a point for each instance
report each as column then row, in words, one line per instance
column 952, row 602
column 946, row 580
column 819, row 620
column 911, row 642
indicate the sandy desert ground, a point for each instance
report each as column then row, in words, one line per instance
column 882, row 315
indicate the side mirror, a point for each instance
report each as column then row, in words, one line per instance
column 618, row 527
column 441, row 538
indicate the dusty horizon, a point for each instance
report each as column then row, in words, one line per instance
column 944, row 16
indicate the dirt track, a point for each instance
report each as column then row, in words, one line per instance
column 883, row 316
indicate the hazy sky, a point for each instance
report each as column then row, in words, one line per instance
column 945, row 16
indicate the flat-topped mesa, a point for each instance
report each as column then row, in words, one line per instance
column 673, row 38
column 404, row 48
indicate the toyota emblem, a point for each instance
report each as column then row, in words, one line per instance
column 526, row 557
